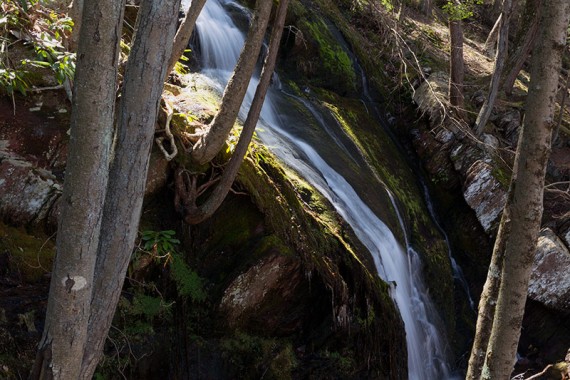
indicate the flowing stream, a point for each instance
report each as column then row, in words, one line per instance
column 309, row 140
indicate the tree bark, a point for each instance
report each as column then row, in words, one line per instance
column 533, row 9
column 143, row 83
column 525, row 202
column 196, row 214
column 562, row 108
column 491, row 40
column 502, row 51
column 457, row 69
column 184, row 33
column 76, row 14
column 210, row 143
column 488, row 300
column 65, row 332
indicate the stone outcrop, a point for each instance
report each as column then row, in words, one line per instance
column 483, row 176
column 550, row 281
column 484, row 194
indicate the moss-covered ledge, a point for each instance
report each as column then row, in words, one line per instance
column 293, row 269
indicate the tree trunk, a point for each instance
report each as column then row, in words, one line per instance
column 525, row 43
column 487, row 302
column 525, row 202
column 148, row 60
column 65, row 332
column 500, row 59
column 562, row 107
column 428, row 8
column 457, row 69
column 491, row 41
column 196, row 214
column 184, row 33
column 76, row 14
column 210, row 144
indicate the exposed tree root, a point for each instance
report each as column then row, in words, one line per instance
column 169, row 135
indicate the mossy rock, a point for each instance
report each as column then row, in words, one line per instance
column 280, row 219
column 28, row 258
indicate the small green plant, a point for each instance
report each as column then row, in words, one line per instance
column 161, row 245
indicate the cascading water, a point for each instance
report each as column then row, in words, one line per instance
column 286, row 135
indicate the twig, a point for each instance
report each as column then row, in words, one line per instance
column 39, row 89
column 538, row 375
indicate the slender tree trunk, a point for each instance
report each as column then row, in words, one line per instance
column 428, row 8
column 525, row 202
column 491, row 40
column 148, row 59
column 65, row 332
column 184, row 33
column 457, row 69
column 210, row 144
column 525, row 43
column 562, row 107
column 196, row 214
column 486, row 310
column 500, row 59
column 76, row 14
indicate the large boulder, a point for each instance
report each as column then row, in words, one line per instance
column 550, row 282
column 28, row 192
column 484, row 194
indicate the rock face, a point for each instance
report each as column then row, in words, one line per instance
column 484, row 194
column 32, row 159
column 550, row 281
column 28, row 192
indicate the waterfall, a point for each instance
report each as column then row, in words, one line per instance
column 285, row 133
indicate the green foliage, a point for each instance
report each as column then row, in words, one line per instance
column 45, row 31
column 460, row 10
column 252, row 357
column 188, row 283
column 161, row 245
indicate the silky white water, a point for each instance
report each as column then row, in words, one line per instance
column 220, row 43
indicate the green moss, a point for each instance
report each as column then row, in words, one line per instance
column 336, row 62
column 30, row 257
column 249, row 356
column 379, row 151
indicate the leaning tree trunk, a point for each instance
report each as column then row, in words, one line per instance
column 65, row 333
column 457, row 68
column 195, row 214
column 525, row 202
column 491, row 41
column 184, row 33
column 488, row 300
column 212, row 142
column 525, row 43
column 502, row 51
column 148, row 59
